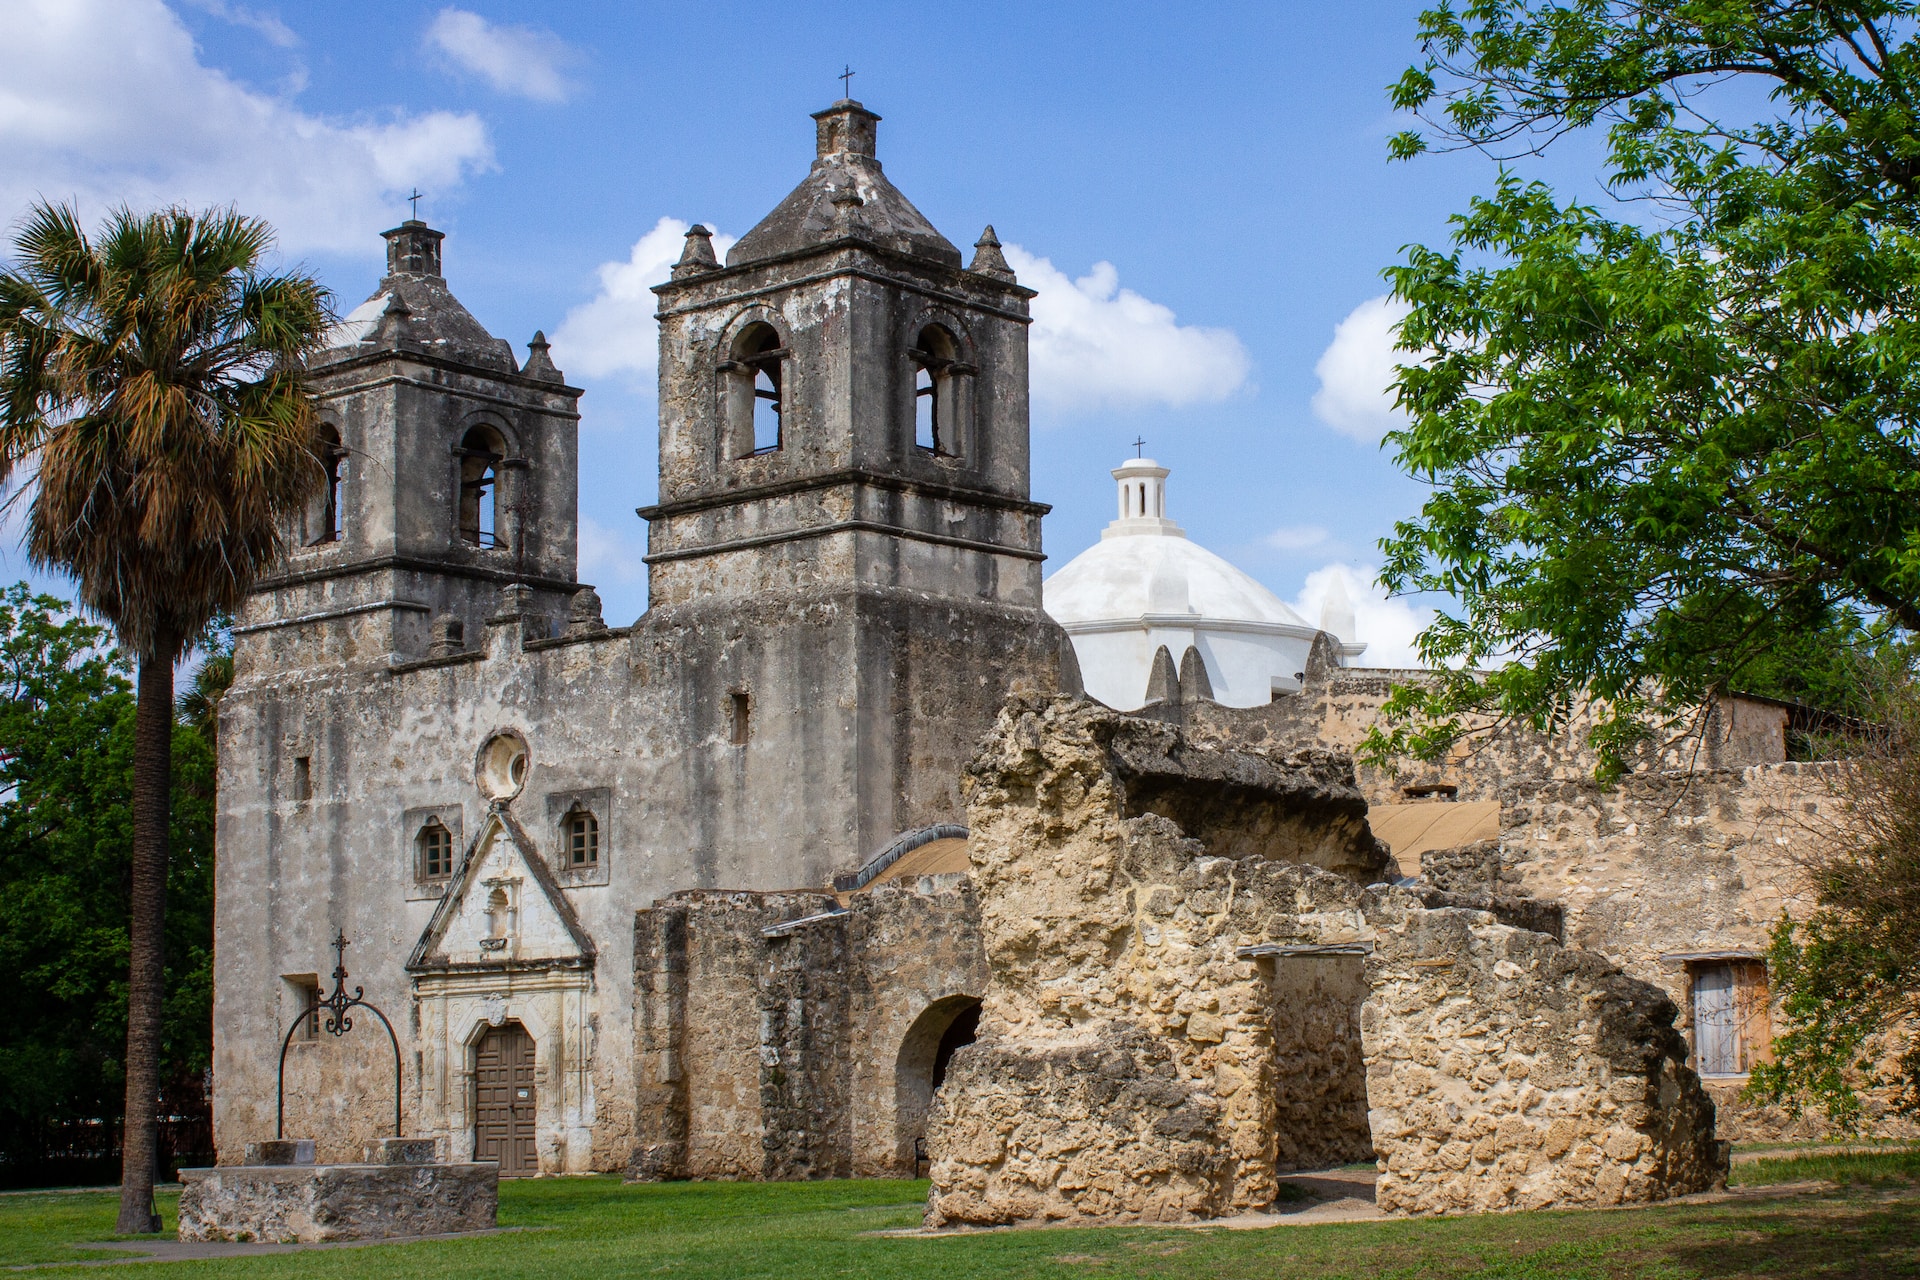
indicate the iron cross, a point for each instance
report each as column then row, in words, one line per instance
column 846, row 81
column 415, row 199
column 1139, row 446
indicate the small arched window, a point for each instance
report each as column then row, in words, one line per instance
column 583, row 838
column 756, row 392
column 936, row 392
column 433, row 849
column 481, row 452
column 326, row 518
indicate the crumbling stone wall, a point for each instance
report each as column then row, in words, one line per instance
column 1129, row 1063
column 1127, row 1066
column 1697, row 851
column 768, row 1026
column 1506, row 1072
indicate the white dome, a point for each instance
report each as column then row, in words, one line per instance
column 1145, row 586
column 1127, row 577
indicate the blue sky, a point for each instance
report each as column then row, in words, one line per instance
column 1226, row 162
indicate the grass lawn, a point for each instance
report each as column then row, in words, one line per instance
column 591, row 1227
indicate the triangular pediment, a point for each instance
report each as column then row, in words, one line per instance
column 503, row 909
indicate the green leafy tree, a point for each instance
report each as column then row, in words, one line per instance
column 66, row 787
column 151, row 381
column 1848, row 976
column 1667, row 448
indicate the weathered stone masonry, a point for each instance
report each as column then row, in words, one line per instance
column 1128, row 1059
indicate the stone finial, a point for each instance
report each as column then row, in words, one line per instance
column 697, row 256
column 413, row 249
column 516, row 601
column 847, row 128
column 583, row 613
column 392, row 329
column 1195, row 686
column 449, row 637
column 539, row 363
column 1163, row 683
column 988, row 260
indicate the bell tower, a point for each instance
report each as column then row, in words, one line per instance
column 843, row 401
column 453, row 474
column 845, row 547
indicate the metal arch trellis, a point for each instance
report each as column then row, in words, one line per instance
column 337, row 1024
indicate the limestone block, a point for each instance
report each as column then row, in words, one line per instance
column 309, row 1203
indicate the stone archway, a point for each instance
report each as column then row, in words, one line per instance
column 943, row 1027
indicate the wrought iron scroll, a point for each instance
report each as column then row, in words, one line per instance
column 337, row 1024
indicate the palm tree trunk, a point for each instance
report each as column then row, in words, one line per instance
column 146, row 977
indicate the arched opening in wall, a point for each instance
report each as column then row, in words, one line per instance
column 481, row 453
column 756, row 392
column 936, row 402
column 325, row 518
column 1320, row 1077
column 943, row 1028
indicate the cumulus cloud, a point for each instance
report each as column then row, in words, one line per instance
column 615, row 332
column 106, row 102
column 1387, row 626
column 1357, row 369
column 1296, row 537
column 267, row 25
column 1095, row 345
column 521, row 61
column 609, row 556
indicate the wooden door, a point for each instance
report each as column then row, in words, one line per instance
column 504, row 1098
column 1716, row 1035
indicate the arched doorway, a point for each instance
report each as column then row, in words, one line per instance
column 505, row 1099
column 942, row 1028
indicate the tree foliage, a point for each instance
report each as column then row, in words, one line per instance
column 1670, row 440
column 1848, row 977
column 66, row 784
column 153, row 381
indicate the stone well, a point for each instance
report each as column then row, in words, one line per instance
column 280, row 1196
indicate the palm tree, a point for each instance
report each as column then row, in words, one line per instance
column 154, row 408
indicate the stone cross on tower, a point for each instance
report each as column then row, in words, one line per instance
column 846, row 81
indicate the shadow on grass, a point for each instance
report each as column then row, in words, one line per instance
column 1862, row 1237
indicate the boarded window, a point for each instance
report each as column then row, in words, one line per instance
column 1732, row 1029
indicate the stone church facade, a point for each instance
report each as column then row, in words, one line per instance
column 728, row 893
column 435, row 745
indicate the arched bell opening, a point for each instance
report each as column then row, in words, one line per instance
column 943, row 1028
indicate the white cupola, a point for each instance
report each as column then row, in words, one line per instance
column 1145, row 585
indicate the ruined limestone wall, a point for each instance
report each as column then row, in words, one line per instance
column 1507, row 1072
column 770, row 1028
column 1127, row 1066
column 1696, row 852
column 1149, row 1004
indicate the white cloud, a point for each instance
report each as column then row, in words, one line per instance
column 106, row 102
column 609, row 556
column 1095, row 345
column 1357, row 369
column 1387, row 626
column 616, row 331
column 266, row 25
column 522, row 61
column 1296, row 537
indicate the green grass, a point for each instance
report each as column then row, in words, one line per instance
column 590, row 1228
column 1860, row 1168
column 43, row 1227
